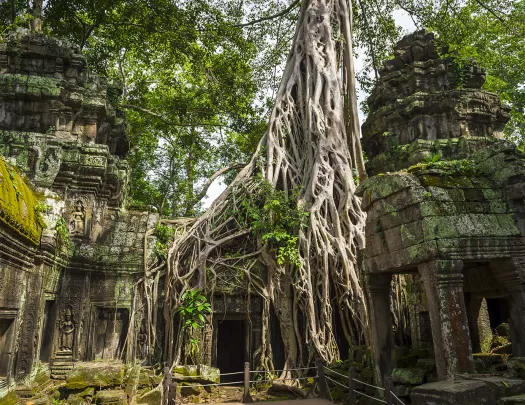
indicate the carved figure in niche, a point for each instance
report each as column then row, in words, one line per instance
column 67, row 327
column 76, row 225
column 142, row 342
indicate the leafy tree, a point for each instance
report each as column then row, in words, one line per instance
column 188, row 85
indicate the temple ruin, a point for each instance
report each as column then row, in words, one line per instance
column 444, row 203
column 69, row 253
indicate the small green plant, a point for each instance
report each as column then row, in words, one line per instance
column 435, row 157
column 193, row 309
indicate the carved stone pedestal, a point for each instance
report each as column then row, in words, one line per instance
column 62, row 364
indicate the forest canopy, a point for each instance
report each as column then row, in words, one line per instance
column 199, row 77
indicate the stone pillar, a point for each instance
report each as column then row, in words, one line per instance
column 443, row 281
column 473, row 305
column 511, row 274
column 382, row 337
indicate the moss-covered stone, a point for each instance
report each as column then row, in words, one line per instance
column 111, row 397
column 95, row 376
column 150, row 398
column 10, row 399
column 18, row 204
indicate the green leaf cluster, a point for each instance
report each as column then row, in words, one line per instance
column 193, row 309
column 276, row 218
column 164, row 236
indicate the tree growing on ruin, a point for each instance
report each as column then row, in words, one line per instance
column 290, row 222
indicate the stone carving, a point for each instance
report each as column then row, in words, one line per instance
column 422, row 100
column 67, row 327
column 76, row 225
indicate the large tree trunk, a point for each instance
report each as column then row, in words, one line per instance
column 305, row 153
column 36, row 22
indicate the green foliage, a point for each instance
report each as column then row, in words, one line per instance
column 193, row 309
column 164, row 235
column 276, row 219
column 451, row 167
column 188, row 79
column 40, row 208
column 62, row 236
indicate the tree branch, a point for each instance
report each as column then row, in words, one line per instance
column 166, row 121
column 218, row 173
column 294, row 4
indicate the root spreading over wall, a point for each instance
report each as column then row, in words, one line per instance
column 311, row 155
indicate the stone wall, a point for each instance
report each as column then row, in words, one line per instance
column 444, row 204
column 69, row 251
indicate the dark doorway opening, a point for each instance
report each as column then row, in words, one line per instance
column 7, row 329
column 231, row 348
column 498, row 311
column 111, row 328
column 47, row 331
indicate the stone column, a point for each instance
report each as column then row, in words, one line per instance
column 443, row 281
column 511, row 274
column 473, row 304
column 382, row 339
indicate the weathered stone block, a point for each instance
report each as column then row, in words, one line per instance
column 111, row 397
column 402, row 391
column 150, row 398
column 452, row 392
column 95, row 376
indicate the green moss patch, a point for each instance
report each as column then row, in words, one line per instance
column 18, row 204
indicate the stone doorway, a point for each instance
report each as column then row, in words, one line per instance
column 48, row 331
column 7, row 334
column 498, row 309
column 232, row 347
column 110, row 331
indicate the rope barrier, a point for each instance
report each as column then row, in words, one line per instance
column 335, row 382
column 225, row 383
column 335, row 372
column 280, row 371
column 237, row 372
column 368, row 396
column 370, row 385
column 395, row 396
column 282, row 379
